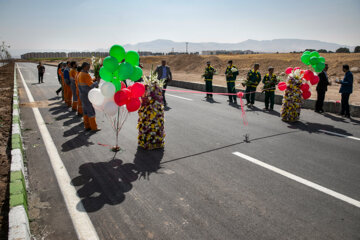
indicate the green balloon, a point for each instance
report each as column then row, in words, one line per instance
column 117, row 52
column 314, row 60
column 314, row 54
column 322, row 59
column 305, row 59
column 117, row 85
column 132, row 57
column 125, row 70
column 137, row 74
column 105, row 75
column 306, row 53
column 110, row 63
column 319, row 67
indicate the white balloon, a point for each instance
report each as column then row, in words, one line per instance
column 110, row 108
column 95, row 97
column 101, row 83
column 108, row 89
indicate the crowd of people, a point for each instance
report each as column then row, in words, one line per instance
column 76, row 82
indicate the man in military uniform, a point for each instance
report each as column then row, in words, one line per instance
column 253, row 80
column 231, row 73
column 270, row 81
column 208, row 75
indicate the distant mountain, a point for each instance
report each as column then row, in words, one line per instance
column 276, row 45
column 162, row 45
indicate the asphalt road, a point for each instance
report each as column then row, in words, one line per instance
column 196, row 188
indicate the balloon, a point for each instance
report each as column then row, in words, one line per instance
column 110, row 108
column 105, row 74
column 137, row 90
column 117, row 52
column 133, row 104
column 240, row 94
column 125, row 70
column 108, row 89
column 123, row 85
column 305, row 59
column 315, row 80
column 314, row 54
column 306, row 95
column 110, row 63
column 304, row 87
column 137, row 74
column 117, row 85
column 306, row 53
column 282, row 86
column 322, row 59
column 288, row 70
column 95, row 96
column 308, row 75
column 319, row 67
column 122, row 97
column 314, row 60
column 132, row 57
column 296, row 68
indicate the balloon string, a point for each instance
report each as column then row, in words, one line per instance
column 243, row 114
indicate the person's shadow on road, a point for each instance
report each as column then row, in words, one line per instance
column 107, row 182
column 317, row 127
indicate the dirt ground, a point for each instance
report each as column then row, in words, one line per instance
column 190, row 68
column 6, row 93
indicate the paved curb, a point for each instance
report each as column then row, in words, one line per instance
column 18, row 216
column 330, row 106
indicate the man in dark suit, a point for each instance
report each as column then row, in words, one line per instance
column 163, row 72
column 321, row 89
column 346, row 89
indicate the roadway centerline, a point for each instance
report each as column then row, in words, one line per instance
column 82, row 224
column 338, row 134
column 315, row 186
column 188, row 99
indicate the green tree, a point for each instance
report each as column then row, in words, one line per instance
column 343, row 50
column 357, row 49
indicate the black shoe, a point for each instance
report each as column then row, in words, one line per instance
column 347, row 116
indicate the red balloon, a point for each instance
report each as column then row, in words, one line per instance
column 240, row 94
column 306, row 95
column 302, row 72
column 123, row 85
column 137, row 90
column 133, row 104
column 282, row 86
column 296, row 68
column 304, row 87
column 314, row 80
column 308, row 75
column 288, row 70
column 122, row 97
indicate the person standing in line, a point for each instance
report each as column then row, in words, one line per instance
column 86, row 83
column 67, row 83
column 79, row 105
column 60, row 79
column 253, row 80
column 231, row 72
column 73, row 85
column 41, row 71
column 208, row 75
column 321, row 89
column 270, row 81
column 345, row 90
column 163, row 72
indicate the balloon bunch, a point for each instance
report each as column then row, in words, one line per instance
column 314, row 59
column 113, row 97
column 296, row 89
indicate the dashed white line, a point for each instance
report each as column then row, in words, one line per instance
column 340, row 135
column 80, row 219
column 315, row 186
column 188, row 99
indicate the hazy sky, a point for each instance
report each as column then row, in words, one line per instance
column 88, row 25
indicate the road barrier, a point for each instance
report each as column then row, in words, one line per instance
column 329, row 106
column 18, row 215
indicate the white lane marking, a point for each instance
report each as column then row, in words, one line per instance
column 83, row 226
column 315, row 186
column 340, row 135
column 188, row 99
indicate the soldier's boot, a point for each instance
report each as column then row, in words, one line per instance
column 93, row 124
column 87, row 122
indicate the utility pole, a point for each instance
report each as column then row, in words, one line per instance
column 187, row 45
